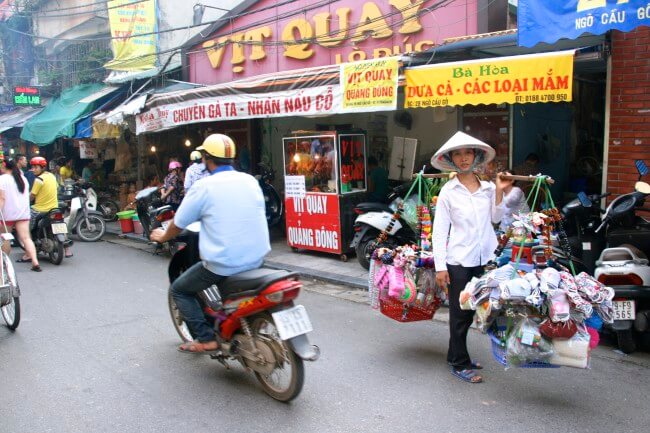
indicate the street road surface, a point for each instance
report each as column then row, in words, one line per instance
column 96, row 352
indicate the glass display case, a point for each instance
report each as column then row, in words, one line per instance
column 330, row 170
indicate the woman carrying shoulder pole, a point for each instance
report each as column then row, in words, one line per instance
column 463, row 237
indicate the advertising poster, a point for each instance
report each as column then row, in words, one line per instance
column 370, row 85
column 546, row 77
column 313, row 222
column 127, row 18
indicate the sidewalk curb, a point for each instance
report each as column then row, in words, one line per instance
column 329, row 277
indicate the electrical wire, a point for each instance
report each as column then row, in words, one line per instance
column 430, row 9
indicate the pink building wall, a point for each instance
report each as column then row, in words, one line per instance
column 396, row 32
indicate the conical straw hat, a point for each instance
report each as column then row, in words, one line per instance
column 460, row 140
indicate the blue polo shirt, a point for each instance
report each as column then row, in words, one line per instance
column 230, row 205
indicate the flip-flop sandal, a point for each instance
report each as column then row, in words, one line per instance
column 21, row 260
column 475, row 365
column 199, row 350
column 468, row 376
column 71, row 255
column 36, row 268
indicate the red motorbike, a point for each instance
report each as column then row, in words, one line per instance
column 256, row 322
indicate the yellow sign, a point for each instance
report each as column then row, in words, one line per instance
column 370, row 85
column 544, row 77
column 128, row 18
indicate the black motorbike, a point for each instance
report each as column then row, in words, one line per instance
column 618, row 244
column 153, row 214
column 272, row 200
column 48, row 233
column 373, row 218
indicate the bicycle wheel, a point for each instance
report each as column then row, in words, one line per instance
column 11, row 311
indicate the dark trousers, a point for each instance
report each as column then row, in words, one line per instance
column 184, row 290
column 459, row 320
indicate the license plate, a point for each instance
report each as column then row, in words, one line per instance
column 292, row 322
column 624, row 310
column 164, row 225
column 59, row 228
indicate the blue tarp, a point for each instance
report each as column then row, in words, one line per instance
column 550, row 20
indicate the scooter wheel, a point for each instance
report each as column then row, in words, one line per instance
column 626, row 341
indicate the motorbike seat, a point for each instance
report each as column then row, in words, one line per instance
column 63, row 206
column 251, row 282
column 374, row 207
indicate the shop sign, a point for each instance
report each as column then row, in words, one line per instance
column 278, row 39
column 323, row 100
column 88, row 150
column 370, row 85
column 27, row 96
column 573, row 18
column 531, row 78
column 127, row 18
column 294, row 186
column 313, row 222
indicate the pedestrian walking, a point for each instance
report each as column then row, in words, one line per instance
column 14, row 202
column 463, row 237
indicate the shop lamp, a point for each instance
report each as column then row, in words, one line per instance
column 296, row 157
column 153, row 148
column 11, row 151
column 188, row 143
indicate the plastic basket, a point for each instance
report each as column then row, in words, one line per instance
column 401, row 312
column 499, row 354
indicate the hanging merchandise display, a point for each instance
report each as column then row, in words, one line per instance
column 402, row 279
column 536, row 310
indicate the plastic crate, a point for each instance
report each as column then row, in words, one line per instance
column 499, row 354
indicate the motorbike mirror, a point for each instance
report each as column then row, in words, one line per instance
column 641, row 167
column 584, row 200
column 642, row 187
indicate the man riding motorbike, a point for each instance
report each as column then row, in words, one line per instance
column 44, row 194
column 234, row 234
column 195, row 171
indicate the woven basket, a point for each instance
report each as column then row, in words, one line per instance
column 401, row 312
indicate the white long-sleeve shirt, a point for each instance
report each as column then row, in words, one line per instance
column 462, row 225
column 513, row 202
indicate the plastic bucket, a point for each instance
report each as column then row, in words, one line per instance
column 126, row 225
column 137, row 225
column 125, row 214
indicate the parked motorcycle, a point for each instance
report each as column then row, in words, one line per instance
column 256, row 321
column 107, row 206
column 620, row 241
column 373, row 219
column 152, row 213
column 84, row 218
column 273, row 201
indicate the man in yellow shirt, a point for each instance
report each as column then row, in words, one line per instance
column 67, row 172
column 44, row 194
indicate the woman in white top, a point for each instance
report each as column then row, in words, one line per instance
column 463, row 237
column 514, row 202
column 14, row 202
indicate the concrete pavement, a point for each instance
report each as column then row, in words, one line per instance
column 95, row 352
